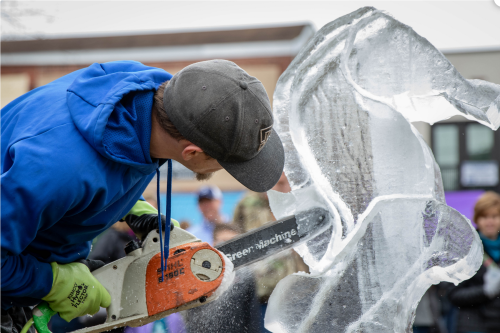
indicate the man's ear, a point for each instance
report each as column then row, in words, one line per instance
column 191, row 151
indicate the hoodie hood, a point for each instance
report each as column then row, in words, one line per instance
column 110, row 105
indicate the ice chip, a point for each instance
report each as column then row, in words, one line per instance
column 343, row 111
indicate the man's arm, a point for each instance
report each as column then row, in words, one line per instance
column 24, row 276
column 36, row 193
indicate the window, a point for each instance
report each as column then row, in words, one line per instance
column 468, row 155
column 447, row 153
column 479, row 142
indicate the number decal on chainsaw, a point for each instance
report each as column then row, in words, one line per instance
column 174, row 269
column 180, row 284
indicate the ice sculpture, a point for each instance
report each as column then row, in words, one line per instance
column 343, row 110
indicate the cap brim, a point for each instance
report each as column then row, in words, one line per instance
column 262, row 172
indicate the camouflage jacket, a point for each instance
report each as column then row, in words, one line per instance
column 252, row 212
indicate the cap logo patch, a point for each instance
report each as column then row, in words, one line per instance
column 265, row 133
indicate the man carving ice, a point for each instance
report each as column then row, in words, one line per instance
column 78, row 152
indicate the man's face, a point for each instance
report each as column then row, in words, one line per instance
column 210, row 209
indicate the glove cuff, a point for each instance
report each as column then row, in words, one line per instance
column 55, row 274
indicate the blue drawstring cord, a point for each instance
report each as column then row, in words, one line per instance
column 159, row 220
column 164, row 250
column 168, row 213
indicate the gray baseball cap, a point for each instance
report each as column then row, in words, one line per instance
column 226, row 112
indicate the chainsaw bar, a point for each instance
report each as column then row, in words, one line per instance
column 275, row 237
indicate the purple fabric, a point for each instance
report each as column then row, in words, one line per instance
column 175, row 323
column 463, row 201
column 148, row 328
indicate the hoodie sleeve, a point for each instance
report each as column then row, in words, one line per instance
column 37, row 191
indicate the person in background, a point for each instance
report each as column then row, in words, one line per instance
column 185, row 224
column 209, row 203
column 252, row 212
column 225, row 232
column 237, row 310
column 430, row 312
column 478, row 298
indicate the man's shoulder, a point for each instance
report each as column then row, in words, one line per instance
column 61, row 153
column 61, row 142
column 43, row 113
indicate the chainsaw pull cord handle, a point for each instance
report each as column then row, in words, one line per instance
column 164, row 249
column 41, row 317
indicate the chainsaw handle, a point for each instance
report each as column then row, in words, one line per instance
column 92, row 264
column 41, row 317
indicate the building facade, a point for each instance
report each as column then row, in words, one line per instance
column 467, row 153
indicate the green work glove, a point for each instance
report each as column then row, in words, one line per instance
column 75, row 291
column 143, row 218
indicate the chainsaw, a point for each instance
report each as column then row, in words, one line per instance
column 141, row 292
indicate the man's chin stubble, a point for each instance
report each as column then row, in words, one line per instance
column 204, row 176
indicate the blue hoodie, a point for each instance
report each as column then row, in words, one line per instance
column 75, row 159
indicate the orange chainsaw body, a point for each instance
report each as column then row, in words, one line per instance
column 180, row 284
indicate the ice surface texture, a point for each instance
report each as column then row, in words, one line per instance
column 343, row 111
